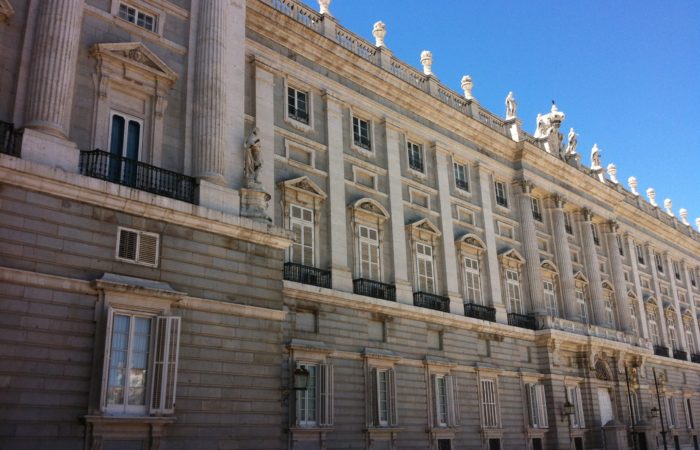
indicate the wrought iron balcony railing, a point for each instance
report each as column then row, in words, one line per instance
column 680, row 354
column 307, row 275
column 660, row 350
column 695, row 358
column 431, row 301
column 371, row 288
column 522, row 321
column 10, row 139
column 480, row 312
column 138, row 175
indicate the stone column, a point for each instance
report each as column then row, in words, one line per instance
column 493, row 277
column 338, row 245
column 641, row 311
column 590, row 256
column 404, row 288
column 663, row 331
column 563, row 256
column 691, row 301
column 531, row 251
column 51, row 84
column 448, row 245
column 618, row 277
column 680, row 328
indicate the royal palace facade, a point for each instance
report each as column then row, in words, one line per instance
column 231, row 224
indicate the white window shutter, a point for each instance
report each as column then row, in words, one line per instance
column 165, row 359
column 148, row 249
column 393, row 413
column 579, row 407
column 105, row 363
column 531, row 400
column 452, row 404
column 542, row 406
column 326, row 395
column 373, row 399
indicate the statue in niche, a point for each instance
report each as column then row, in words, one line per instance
column 253, row 160
column 511, row 106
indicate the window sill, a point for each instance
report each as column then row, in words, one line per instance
column 367, row 153
column 300, row 126
column 417, row 173
column 129, row 420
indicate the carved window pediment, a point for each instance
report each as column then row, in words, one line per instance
column 669, row 310
column 133, row 60
column 511, row 258
column 549, row 266
column 687, row 316
column 424, row 229
column 6, row 11
column 608, row 286
column 580, row 278
column 303, row 188
column 471, row 243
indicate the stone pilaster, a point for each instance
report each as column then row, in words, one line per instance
column 337, row 230
column 641, row 311
column 404, row 289
column 531, row 251
column 265, row 123
column 663, row 330
column 563, row 257
column 448, row 244
column 691, row 300
column 492, row 268
column 590, row 256
column 676, row 304
column 618, row 277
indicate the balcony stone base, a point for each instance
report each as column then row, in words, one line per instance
column 50, row 150
column 342, row 278
column 404, row 292
column 219, row 198
column 254, row 204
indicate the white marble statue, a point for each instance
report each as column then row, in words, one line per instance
column 612, row 173
column 596, row 163
column 697, row 223
column 467, row 85
column 379, row 33
column 426, row 59
column 511, row 106
column 651, row 195
column 253, row 160
column 323, row 6
column 572, row 143
column 539, row 131
column 668, row 206
column 632, row 183
column 683, row 214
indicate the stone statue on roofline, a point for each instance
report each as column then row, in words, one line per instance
column 596, row 162
column 511, row 106
column 548, row 130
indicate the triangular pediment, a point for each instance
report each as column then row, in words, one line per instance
column 371, row 206
column 579, row 276
column 6, row 10
column 135, row 54
column 425, row 225
column 631, row 294
column 306, row 185
column 650, row 300
column 513, row 255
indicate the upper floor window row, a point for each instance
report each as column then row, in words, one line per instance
column 362, row 133
column 501, row 193
column 298, row 105
column 138, row 17
column 416, row 159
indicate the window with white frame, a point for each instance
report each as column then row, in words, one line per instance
column 369, row 253
column 489, row 404
column 609, row 309
column 461, row 176
column 472, row 280
column 536, row 209
column 298, row 105
column 573, row 395
column 425, row 270
column 594, row 230
column 138, row 17
column 582, row 305
column 567, row 223
column 653, row 328
column 693, row 281
column 301, row 222
column 383, row 397
column 677, row 270
column 672, row 333
column 362, row 133
column 538, row 405
column 515, row 302
column 444, row 400
column 415, row 156
column 689, row 419
column 634, row 402
column 501, row 193
column 639, row 250
column 690, row 339
column 550, row 298
column 659, row 262
column 140, row 363
column 314, row 405
column 125, row 137
column 620, row 247
column 671, row 414
column 506, row 231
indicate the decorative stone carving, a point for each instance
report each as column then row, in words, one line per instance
column 548, row 130
column 426, row 59
column 323, row 6
column 253, row 160
column 6, row 11
column 511, row 106
column 572, row 143
column 596, row 163
column 668, row 206
column 651, row 195
column 379, row 33
column 467, row 85
column 632, row 182
column 683, row 214
column 612, row 173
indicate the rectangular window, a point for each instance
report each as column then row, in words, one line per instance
column 634, row 397
column 671, row 412
column 620, row 247
column 513, row 288
column 536, row 209
column 298, row 105
column 550, row 298
column 672, row 334
column 301, row 222
column 654, row 330
column 691, row 272
column 137, row 17
column 444, row 444
column 506, row 231
column 689, row 419
column 501, row 194
column 538, row 406
column 425, row 268
column 640, row 254
column 124, row 148
column 594, row 230
column 582, row 306
column 659, row 262
column 494, row 444
column 633, row 318
column 369, row 253
column 567, row 223
column 472, row 280
column 415, row 156
column 314, row 406
column 677, row 270
column 361, row 133
column 307, row 399
column 609, row 311
column 489, row 404
column 441, row 403
column 461, row 176
column 573, row 395
column 141, row 349
column 383, row 397
column 690, row 339
column 138, row 247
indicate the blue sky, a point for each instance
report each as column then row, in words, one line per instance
column 626, row 73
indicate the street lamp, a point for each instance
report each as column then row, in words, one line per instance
column 301, row 379
column 632, row 386
column 568, row 411
column 660, row 384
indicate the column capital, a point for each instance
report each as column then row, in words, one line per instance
column 557, row 201
column 612, row 226
column 586, row 214
column 525, row 185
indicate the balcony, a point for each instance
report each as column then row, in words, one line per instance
column 307, row 275
column 695, row 358
column 431, row 301
column 10, row 139
column 660, row 350
column 680, row 354
column 480, row 312
column 375, row 289
column 138, row 175
column 526, row 321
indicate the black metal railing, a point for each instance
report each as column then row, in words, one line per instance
column 431, row 301
column 480, row 312
column 371, row 288
column 522, row 321
column 680, row 354
column 138, row 175
column 297, row 114
column 660, row 350
column 695, row 358
column 462, row 184
column 307, row 275
column 10, row 139
column 362, row 142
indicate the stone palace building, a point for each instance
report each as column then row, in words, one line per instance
column 235, row 224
